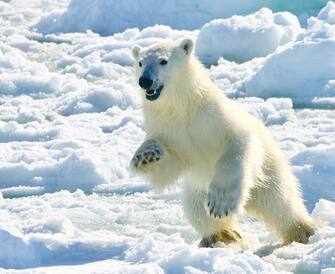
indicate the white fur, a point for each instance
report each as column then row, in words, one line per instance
column 226, row 157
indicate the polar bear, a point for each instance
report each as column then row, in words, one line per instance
column 228, row 161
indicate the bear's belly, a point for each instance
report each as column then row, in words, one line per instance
column 199, row 177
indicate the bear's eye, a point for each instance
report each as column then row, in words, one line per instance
column 163, row 62
column 140, row 64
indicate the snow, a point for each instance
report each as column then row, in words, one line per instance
column 70, row 120
column 108, row 17
column 303, row 70
column 317, row 165
column 282, row 76
column 76, row 229
column 242, row 38
column 327, row 14
column 19, row 75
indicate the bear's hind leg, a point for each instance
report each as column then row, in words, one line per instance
column 283, row 212
column 299, row 232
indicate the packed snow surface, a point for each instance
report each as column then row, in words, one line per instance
column 71, row 118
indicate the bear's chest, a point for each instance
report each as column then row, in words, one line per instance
column 199, row 144
column 197, row 141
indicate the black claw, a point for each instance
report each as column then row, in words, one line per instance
column 151, row 160
column 144, row 162
column 226, row 212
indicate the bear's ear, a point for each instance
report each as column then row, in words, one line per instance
column 136, row 51
column 187, row 46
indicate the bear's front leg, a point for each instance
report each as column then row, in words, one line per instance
column 157, row 162
column 147, row 154
column 222, row 201
column 229, row 188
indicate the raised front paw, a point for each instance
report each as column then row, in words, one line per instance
column 220, row 202
column 148, row 153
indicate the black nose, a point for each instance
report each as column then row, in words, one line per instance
column 145, row 82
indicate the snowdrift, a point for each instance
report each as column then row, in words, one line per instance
column 303, row 70
column 242, row 38
column 110, row 16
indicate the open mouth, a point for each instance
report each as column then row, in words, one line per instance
column 153, row 94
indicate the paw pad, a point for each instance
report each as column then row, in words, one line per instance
column 148, row 153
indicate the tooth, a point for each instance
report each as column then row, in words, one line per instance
column 155, row 91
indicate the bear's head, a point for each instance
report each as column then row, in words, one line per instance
column 156, row 65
